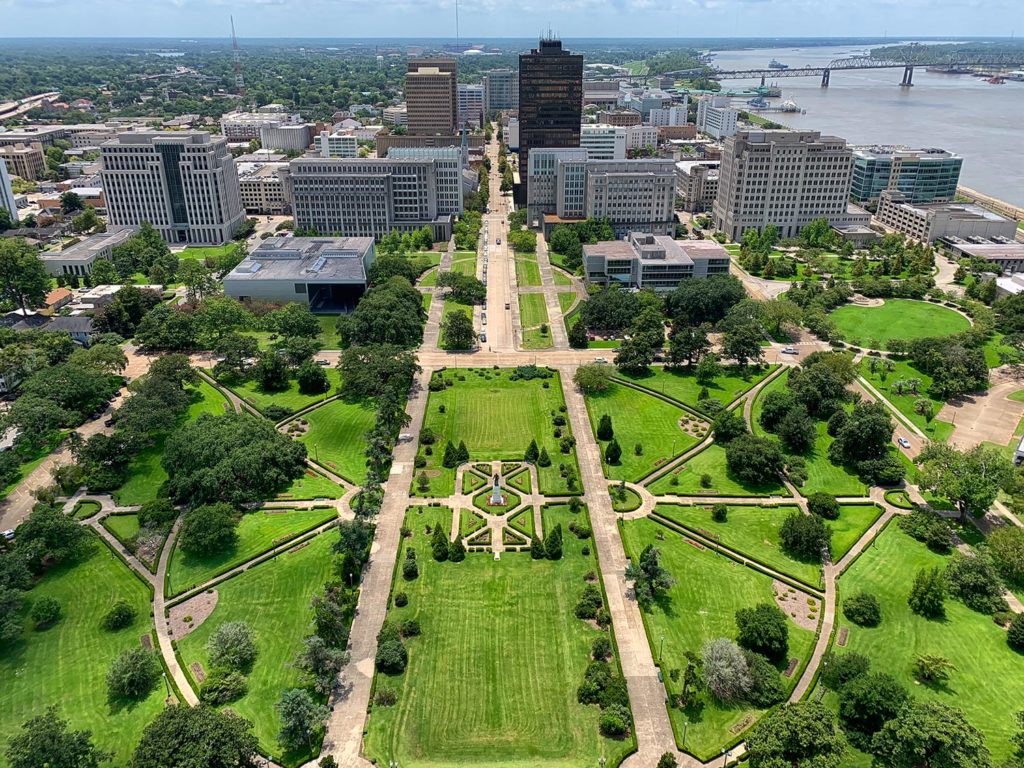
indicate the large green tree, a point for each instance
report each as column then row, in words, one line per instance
column 196, row 737
column 47, row 741
column 970, row 479
column 23, row 278
column 928, row 734
column 801, row 735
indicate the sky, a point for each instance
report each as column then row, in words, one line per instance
column 508, row 18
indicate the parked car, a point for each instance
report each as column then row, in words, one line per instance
column 498, row 241
column 600, row 360
column 904, row 443
column 323, row 362
column 483, row 337
column 507, row 306
column 790, row 351
column 8, row 534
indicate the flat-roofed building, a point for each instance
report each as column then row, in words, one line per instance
column 669, row 116
column 1006, row 255
column 624, row 117
column 922, row 175
column 604, row 142
column 245, row 126
column 397, row 114
column 642, row 137
column 557, row 183
column 285, row 137
column 501, row 90
column 327, row 273
column 262, row 189
column 24, row 160
column 471, row 105
column 635, row 195
column 79, row 258
column 7, row 201
column 715, row 117
column 928, row 222
column 184, row 183
column 431, row 99
column 341, row 144
column 657, row 262
column 697, row 184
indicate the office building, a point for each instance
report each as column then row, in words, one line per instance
column 262, row 189
column 697, row 184
column 396, row 115
column 82, row 135
column 511, row 134
column 550, row 100
column 669, row 116
column 624, row 117
column 371, row 197
column 7, row 201
column 656, row 262
column 327, row 273
column 448, row 165
column 184, row 183
column 385, row 142
column 641, row 137
column 501, row 90
column 471, row 105
column 556, row 183
column 601, row 93
column 604, row 142
column 79, row 258
column 715, row 117
column 24, row 160
column 784, row 178
column 245, row 126
column 285, row 137
column 431, row 99
column 928, row 222
column 922, row 175
column 341, row 144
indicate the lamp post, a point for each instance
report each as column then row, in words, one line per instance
column 601, row 761
column 686, row 724
column 661, row 652
column 167, row 685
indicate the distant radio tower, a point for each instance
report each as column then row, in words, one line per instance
column 237, row 55
column 456, row 23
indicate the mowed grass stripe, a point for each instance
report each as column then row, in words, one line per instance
column 532, row 309
column 336, row 436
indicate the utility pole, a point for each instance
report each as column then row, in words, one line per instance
column 236, row 54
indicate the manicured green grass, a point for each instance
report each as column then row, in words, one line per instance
column 28, row 466
column 521, row 481
column 527, row 271
column 532, row 309
column 710, row 461
column 681, row 384
column 986, row 683
column 208, row 252
column 625, row 499
column 328, row 337
column 257, row 532
column 497, row 418
column 469, row 521
column 534, row 338
column 883, row 381
column 427, row 300
column 429, row 278
column 273, row 599
column 560, row 277
column 522, row 521
column 641, row 418
column 471, row 482
column 492, row 679
column 66, row 664
column 465, row 266
column 124, row 527
column 290, row 399
column 997, row 353
column 336, row 436
column 566, row 299
column 481, row 500
column 896, row 319
column 312, row 485
column 853, row 522
column 145, row 474
column 701, row 607
column 86, row 508
column 750, row 530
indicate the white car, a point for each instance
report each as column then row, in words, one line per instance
column 790, row 351
column 904, row 443
column 8, row 534
column 600, row 360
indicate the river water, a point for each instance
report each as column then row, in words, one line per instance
column 982, row 122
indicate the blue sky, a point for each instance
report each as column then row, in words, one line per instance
column 508, row 18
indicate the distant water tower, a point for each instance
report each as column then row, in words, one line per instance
column 380, row 61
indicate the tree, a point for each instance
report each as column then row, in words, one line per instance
column 209, row 529
column 927, row 733
column 766, row 688
column 133, row 674
column 197, row 279
column 1006, row 546
column 390, row 313
column 928, row 594
column 232, row 646
column 120, row 615
column 797, row 430
column 704, row 301
column 71, row 202
column 667, row 760
column 755, row 460
column 45, row 611
column 301, row 717
column 728, row 425
column 742, row 343
column 593, row 378
column 295, row 319
column 863, row 609
column 370, row 371
column 37, row 419
column 824, row 505
column 866, row 434
column 634, row 355
column 970, row 479
column 604, row 427
column 800, row 734
column 312, row 379
column 553, row 543
column 47, row 534
column 725, row 670
column 457, row 330
column 46, row 741
column 439, row 544
column 167, row 328
column 975, row 581
column 764, row 630
column 578, row 338
column 688, row 343
column 613, row 452
column 708, row 369
column 778, row 313
column 217, row 316
column 869, row 702
column 649, row 577
column 932, row 669
column 804, row 537
column 838, row 670
column 196, row 737
column 320, row 663
column 86, row 221
column 23, row 278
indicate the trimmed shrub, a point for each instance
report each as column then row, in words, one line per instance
column 863, row 609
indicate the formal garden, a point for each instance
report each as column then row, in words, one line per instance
column 488, row 661
column 874, row 326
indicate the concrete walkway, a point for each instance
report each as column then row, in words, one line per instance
column 559, row 338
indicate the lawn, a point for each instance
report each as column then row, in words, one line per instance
column 986, row 683
column 66, row 664
column 429, row 278
column 124, row 527
column 854, row 520
column 207, row 252
column 883, row 381
column 701, row 607
column 532, row 309
column 566, row 299
column 29, row 466
column 328, row 337
column 257, row 532
column 681, row 384
column 560, row 277
column 639, row 418
column 497, row 418
column 710, row 461
column 273, row 598
column 750, row 530
column 312, row 485
column 336, row 436
column 427, row 299
column 290, row 399
column 896, row 319
column 145, row 473
column 86, row 508
column 464, row 263
column 492, row 679
column 527, row 271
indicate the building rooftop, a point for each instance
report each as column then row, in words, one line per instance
column 954, row 210
column 660, row 247
column 314, row 259
column 1008, row 251
column 86, row 250
column 885, row 152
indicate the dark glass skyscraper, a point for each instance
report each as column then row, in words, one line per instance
column 550, row 101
